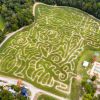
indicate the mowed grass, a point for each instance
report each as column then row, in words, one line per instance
column 48, row 53
column 45, row 97
column 2, row 23
column 76, row 90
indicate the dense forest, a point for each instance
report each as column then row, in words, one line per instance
column 90, row 6
column 16, row 13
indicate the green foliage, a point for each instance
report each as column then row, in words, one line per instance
column 90, row 6
column 93, row 78
column 89, row 90
column 87, row 97
column 16, row 88
column 2, row 23
column 20, row 97
column 17, row 13
column 98, row 97
column 53, row 33
column 1, row 36
column 6, row 95
column 95, row 98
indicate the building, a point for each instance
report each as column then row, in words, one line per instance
column 11, row 90
column 95, row 69
column 85, row 64
column 24, row 91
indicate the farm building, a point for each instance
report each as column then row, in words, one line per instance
column 95, row 69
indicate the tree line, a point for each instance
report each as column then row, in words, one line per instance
column 90, row 6
column 16, row 13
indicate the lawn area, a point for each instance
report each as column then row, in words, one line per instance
column 75, row 90
column 2, row 23
column 48, row 53
column 86, row 56
column 45, row 97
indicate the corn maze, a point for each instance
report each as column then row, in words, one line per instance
column 46, row 52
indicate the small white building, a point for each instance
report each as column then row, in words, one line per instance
column 11, row 90
column 85, row 64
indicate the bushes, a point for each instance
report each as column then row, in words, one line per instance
column 88, row 89
column 1, row 36
column 16, row 13
column 16, row 88
column 6, row 95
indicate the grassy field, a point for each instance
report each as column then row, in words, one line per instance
column 45, row 97
column 2, row 23
column 75, row 90
column 48, row 52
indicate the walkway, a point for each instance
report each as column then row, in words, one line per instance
column 9, row 80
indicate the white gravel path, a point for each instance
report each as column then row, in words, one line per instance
column 32, row 89
column 10, row 35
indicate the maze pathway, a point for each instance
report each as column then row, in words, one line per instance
column 46, row 52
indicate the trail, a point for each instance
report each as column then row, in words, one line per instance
column 9, row 80
column 34, row 7
column 10, row 35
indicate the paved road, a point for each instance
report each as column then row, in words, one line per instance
column 32, row 89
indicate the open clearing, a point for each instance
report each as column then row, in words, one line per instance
column 46, row 53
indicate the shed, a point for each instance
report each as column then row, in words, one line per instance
column 85, row 64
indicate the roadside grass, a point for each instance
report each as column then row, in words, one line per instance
column 45, row 97
column 87, row 55
column 75, row 90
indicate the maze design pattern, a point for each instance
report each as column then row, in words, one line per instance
column 47, row 53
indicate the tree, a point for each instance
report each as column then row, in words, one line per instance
column 90, row 6
column 93, row 78
column 95, row 98
column 6, row 95
column 98, row 96
column 16, row 88
column 1, row 36
column 16, row 13
column 20, row 97
column 87, row 97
